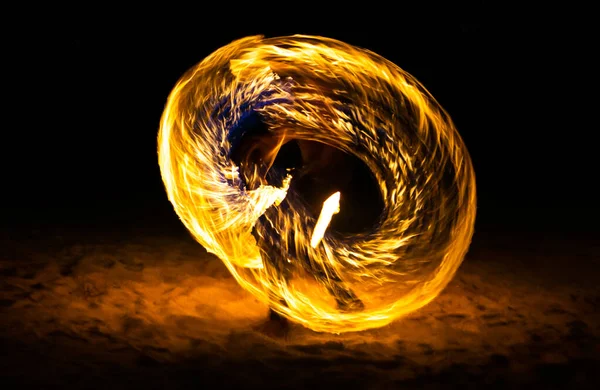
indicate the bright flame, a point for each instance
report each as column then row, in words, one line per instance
column 330, row 206
column 317, row 89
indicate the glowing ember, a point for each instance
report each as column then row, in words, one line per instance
column 222, row 178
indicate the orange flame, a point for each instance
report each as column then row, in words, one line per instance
column 318, row 89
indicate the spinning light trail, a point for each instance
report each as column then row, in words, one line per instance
column 224, row 181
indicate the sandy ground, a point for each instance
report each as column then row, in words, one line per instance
column 128, row 310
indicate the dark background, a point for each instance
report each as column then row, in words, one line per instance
column 80, row 145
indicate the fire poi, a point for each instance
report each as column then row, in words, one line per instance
column 228, row 121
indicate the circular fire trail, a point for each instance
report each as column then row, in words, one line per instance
column 245, row 130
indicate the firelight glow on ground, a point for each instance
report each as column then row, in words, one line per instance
column 109, row 310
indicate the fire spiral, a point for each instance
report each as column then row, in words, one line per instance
column 243, row 131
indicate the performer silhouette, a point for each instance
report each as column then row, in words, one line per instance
column 317, row 171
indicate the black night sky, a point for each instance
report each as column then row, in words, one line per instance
column 85, row 148
column 80, row 169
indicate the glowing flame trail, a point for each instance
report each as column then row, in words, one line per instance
column 219, row 174
column 330, row 206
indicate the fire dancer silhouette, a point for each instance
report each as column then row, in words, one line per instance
column 317, row 171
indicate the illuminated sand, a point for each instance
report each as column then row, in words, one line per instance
column 158, row 312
